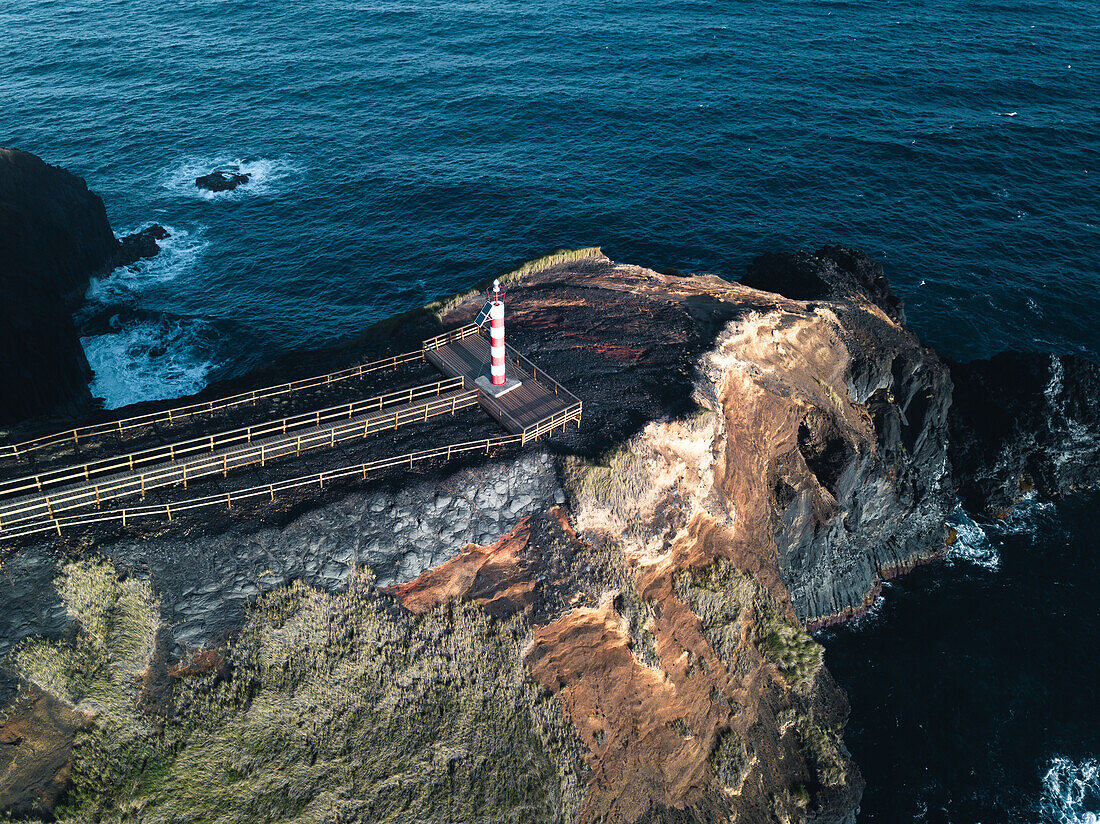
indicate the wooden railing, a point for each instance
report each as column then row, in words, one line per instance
column 209, row 443
column 169, row 511
column 93, row 495
column 177, row 414
column 450, row 337
column 547, row 425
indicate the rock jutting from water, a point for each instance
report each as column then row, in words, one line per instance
column 222, row 181
column 54, row 237
column 606, row 625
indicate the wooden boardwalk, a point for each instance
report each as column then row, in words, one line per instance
column 465, row 353
column 80, row 494
column 220, row 462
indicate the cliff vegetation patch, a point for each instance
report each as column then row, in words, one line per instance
column 327, row 707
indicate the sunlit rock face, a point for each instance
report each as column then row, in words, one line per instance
column 750, row 465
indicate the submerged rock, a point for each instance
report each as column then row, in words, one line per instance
column 222, row 181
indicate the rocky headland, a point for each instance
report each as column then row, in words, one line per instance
column 54, row 237
column 608, row 625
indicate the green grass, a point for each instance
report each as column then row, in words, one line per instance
column 117, row 621
column 341, row 707
column 443, row 305
column 718, row 595
column 791, row 649
column 616, row 481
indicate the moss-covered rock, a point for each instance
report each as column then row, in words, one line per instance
column 340, row 707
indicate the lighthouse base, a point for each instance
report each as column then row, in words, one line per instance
column 485, row 384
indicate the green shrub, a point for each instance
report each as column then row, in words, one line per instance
column 341, row 707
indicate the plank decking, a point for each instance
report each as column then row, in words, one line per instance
column 539, row 398
column 75, row 495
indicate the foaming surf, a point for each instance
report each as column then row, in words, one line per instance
column 265, row 176
column 151, row 359
column 1028, row 515
column 139, row 355
column 179, row 252
column 1071, row 791
column 972, row 545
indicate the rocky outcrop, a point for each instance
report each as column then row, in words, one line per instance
column 54, row 235
column 222, row 181
column 863, row 485
column 1023, row 423
column 139, row 245
column 751, row 464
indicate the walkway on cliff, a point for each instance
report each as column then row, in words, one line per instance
column 79, row 494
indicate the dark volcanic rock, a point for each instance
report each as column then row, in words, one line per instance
column 1024, row 421
column 222, row 181
column 54, row 235
column 140, row 245
column 833, row 272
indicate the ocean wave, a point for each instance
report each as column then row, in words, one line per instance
column 178, row 254
column 972, row 545
column 266, row 175
column 151, row 359
column 1027, row 515
column 1071, row 791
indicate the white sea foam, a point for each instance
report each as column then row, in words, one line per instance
column 178, row 254
column 151, row 360
column 1027, row 515
column 972, row 545
column 266, row 175
column 1071, row 791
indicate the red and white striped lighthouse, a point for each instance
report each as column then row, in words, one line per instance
column 496, row 383
column 496, row 334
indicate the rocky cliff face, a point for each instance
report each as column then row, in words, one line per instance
column 632, row 597
column 54, row 235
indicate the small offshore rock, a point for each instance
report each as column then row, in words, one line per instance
column 222, row 181
column 140, row 245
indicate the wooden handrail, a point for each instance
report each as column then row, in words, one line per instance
column 19, row 450
column 87, row 495
column 208, row 443
column 128, row 514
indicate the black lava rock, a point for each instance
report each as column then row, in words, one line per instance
column 54, row 235
column 833, row 272
column 222, row 181
column 140, row 245
column 1024, row 421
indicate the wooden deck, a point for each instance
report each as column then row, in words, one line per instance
column 539, row 399
column 77, row 495
column 15, row 511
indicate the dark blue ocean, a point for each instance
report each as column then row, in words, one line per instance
column 400, row 151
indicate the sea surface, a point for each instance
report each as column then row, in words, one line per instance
column 401, row 150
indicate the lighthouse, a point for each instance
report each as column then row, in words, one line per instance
column 496, row 383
